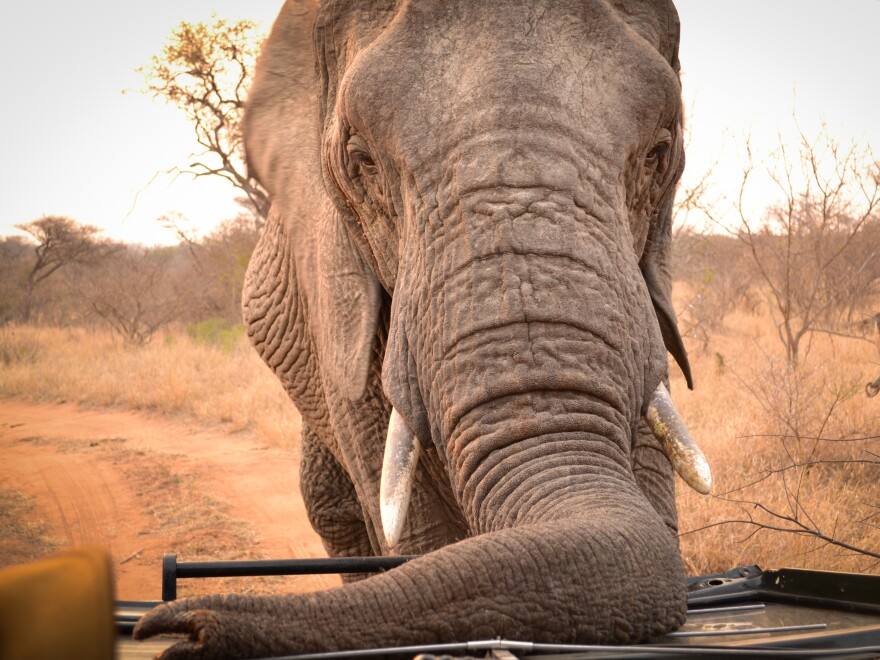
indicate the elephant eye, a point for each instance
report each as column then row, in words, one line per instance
column 360, row 162
column 367, row 166
column 365, row 181
column 659, row 150
column 657, row 153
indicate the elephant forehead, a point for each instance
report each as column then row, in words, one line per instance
column 441, row 71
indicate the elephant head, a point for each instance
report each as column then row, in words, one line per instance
column 469, row 237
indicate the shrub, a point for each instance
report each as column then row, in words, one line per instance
column 216, row 332
column 16, row 348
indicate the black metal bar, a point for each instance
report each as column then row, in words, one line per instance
column 172, row 570
column 127, row 613
column 728, row 610
column 702, row 581
column 840, row 591
column 169, row 577
column 339, row 565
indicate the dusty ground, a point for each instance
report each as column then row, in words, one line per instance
column 143, row 486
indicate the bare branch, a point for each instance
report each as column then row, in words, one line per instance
column 796, row 528
column 204, row 69
column 813, row 250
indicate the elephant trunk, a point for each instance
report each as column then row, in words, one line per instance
column 527, row 360
column 522, row 324
column 608, row 574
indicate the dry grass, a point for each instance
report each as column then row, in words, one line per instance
column 756, row 420
column 23, row 535
column 750, row 414
column 174, row 375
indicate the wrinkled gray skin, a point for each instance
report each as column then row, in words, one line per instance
column 470, row 222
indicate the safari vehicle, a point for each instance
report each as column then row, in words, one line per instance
column 746, row 612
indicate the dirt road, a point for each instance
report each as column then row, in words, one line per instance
column 144, row 486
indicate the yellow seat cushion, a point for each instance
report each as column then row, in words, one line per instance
column 60, row 607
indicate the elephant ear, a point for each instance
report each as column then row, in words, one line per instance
column 280, row 125
column 657, row 21
column 349, row 300
column 282, row 142
column 655, row 270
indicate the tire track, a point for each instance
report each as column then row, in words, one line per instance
column 57, row 453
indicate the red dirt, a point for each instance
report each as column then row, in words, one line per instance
column 84, row 497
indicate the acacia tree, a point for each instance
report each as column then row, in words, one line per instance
column 812, row 251
column 205, row 70
column 61, row 242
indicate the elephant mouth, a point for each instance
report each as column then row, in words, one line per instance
column 402, row 449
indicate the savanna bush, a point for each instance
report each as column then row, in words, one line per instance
column 217, row 332
column 17, row 347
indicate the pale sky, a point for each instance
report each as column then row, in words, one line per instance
column 75, row 145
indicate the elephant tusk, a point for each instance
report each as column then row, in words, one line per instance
column 678, row 445
column 402, row 449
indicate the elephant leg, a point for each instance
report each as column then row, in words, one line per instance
column 655, row 476
column 331, row 503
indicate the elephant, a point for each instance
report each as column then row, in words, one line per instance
column 464, row 287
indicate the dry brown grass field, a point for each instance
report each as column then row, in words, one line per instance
column 200, row 381
column 797, row 451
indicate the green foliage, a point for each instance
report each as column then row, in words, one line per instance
column 216, row 332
